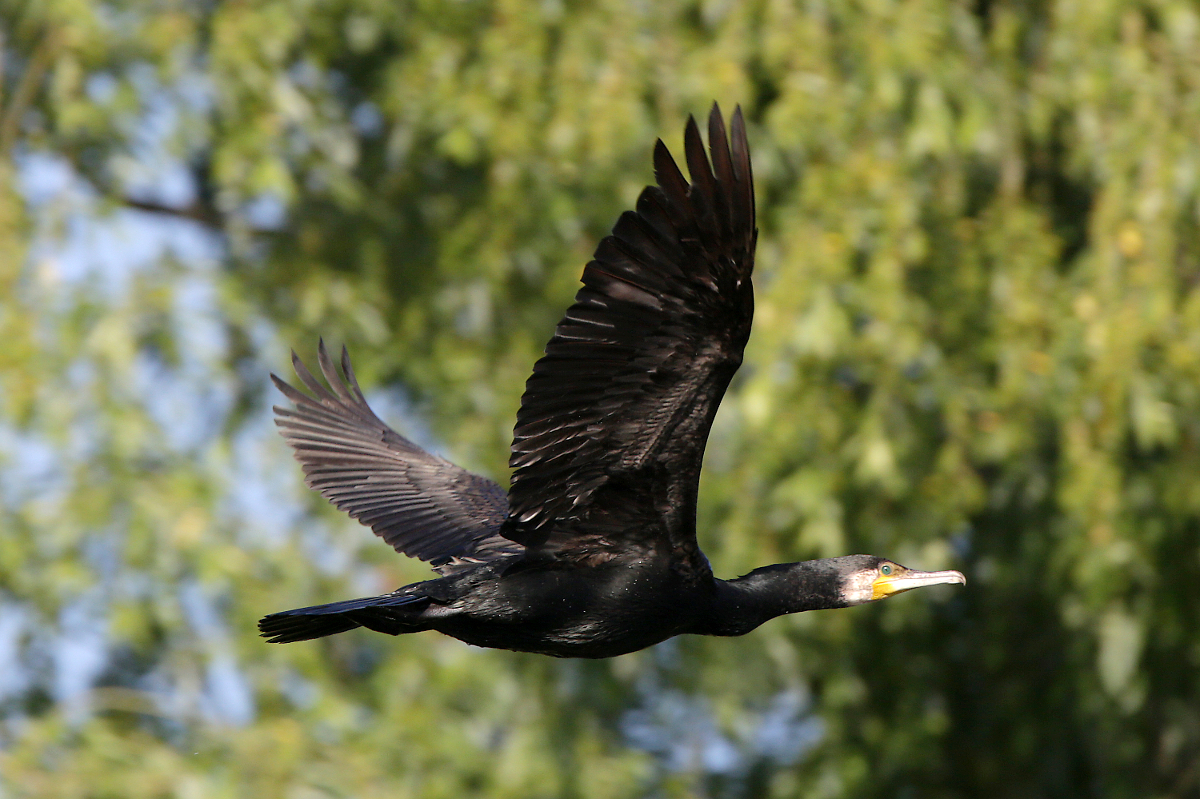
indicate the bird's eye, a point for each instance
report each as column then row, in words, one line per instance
column 885, row 569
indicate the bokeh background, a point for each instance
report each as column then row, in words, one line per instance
column 977, row 346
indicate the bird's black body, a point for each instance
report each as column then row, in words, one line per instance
column 592, row 552
column 595, row 612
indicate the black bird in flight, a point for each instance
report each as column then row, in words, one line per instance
column 592, row 551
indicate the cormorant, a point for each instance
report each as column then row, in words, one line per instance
column 592, row 551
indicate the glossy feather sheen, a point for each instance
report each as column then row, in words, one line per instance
column 627, row 390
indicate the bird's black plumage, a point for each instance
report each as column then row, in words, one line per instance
column 592, row 552
column 423, row 505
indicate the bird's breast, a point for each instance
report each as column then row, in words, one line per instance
column 578, row 612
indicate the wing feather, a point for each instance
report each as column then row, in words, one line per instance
column 420, row 504
column 617, row 412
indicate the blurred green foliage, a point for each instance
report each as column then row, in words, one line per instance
column 977, row 346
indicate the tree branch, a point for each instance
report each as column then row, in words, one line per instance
column 27, row 87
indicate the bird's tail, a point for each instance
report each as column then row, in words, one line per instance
column 391, row 614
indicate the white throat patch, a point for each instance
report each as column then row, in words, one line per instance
column 859, row 587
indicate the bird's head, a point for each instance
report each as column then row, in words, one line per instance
column 866, row 578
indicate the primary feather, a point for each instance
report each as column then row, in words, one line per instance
column 423, row 505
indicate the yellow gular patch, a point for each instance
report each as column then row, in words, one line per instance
column 883, row 586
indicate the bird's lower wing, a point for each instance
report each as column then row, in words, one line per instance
column 423, row 505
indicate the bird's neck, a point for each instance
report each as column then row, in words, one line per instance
column 744, row 603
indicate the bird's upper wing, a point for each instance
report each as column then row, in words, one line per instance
column 613, row 423
column 421, row 504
